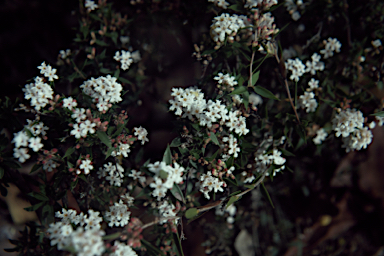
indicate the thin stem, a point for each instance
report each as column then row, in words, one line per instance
column 157, row 220
column 287, row 89
column 250, row 69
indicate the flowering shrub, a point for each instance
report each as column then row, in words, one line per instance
column 254, row 107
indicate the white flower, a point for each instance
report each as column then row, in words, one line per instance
column 69, row 103
column 121, row 249
column 255, row 99
column 65, row 53
column 122, row 149
column 20, row 139
column 320, row 136
column 87, row 127
column 35, row 143
column 49, row 165
column 376, row 43
column 141, row 134
column 90, row 5
column 313, row 84
column 76, row 131
column 21, row 153
column 86, row 166
column 79, row 114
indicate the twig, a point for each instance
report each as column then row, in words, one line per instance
column 157, row 220
column 347, row 23
column 287, row 89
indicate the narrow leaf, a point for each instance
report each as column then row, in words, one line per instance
column 167, row 158
column 69, row 152
column 232, row 200
column 214, row 138
column 239, row 90
column 191, row 212
column 381, row 113
column 255, row 77
column 265, row 93
column 266, row 192
column 104, row 138
column 176, row 192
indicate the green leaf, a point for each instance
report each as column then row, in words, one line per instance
column 213, row 137
column 114, row 36
column 250, row 186
column 177, row 193
column 176, row 142
column 39, row 196
column 117, row 73
column 167, row 158
column 266, row 192
column 119, row 130
column 235, row 7
column 104, row 138
column 265, row 93
column 235, row 193
column 69, row 152
column 255, row 77
column 124, row 80
column 191, row 212
column 105, row 71
column 35, row 168
column 239, row 90
column 232, row 200
column 1, row 172
column 381, row 113
column 101, row 43
column 286, row 152
column 112, row 236
column 34, row 207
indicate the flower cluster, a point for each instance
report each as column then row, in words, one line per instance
column 190, row 103
column 320, row 136
column 225, row 81
column 39, row 93
column 103, row 90
column 209, row 183
column 122, row 249
column 141, row 134
column 165, row 176
column 259, row 3
column 220, row 3
column 349, row 124
column 126, row 58
column 293, row 6
column 232, row 145
column 227, row 24
column 23, row 139
column 263, row 27
column 264, row 157
column 331, row 46
column 90, row 5
column 113, row 173
column 118, row 214
column 297, row 68
column 307, row 100
column 315, row 64
column 48, row 71
column 85, row 239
